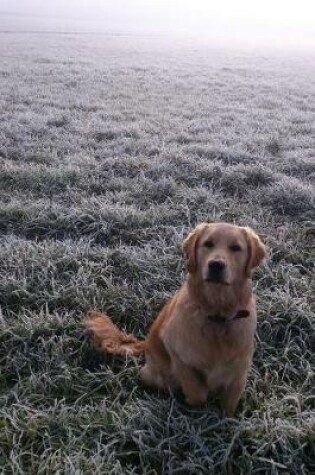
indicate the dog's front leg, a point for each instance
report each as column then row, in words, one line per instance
column 231, row 394
column 194, row 388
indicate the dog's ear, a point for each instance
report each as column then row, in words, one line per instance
column 190, row 247
column 256, row 250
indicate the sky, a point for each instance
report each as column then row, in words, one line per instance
column 284, row 22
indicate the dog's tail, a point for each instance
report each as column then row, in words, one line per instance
column 108, row 338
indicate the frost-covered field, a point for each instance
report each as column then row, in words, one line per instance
column 111, row 148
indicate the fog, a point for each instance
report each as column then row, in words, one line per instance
column 273, row 22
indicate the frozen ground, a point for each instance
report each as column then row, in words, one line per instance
column 111, row 149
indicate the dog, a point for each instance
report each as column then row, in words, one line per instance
column 203, row 338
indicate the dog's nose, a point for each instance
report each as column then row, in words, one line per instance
column 216, row 266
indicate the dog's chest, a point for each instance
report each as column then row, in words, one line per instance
column 214, row 349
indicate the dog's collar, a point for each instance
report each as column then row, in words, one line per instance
column 223, row 320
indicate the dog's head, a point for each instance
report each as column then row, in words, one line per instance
column 222, row 253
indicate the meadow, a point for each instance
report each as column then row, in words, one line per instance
column 111, row 149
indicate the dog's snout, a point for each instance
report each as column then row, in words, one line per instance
column 216, row 266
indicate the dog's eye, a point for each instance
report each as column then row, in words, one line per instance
column 209, row 244
column 235, row 248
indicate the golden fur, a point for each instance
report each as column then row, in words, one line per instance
column 188, row 347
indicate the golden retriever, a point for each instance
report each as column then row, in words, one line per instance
column 203, row 338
